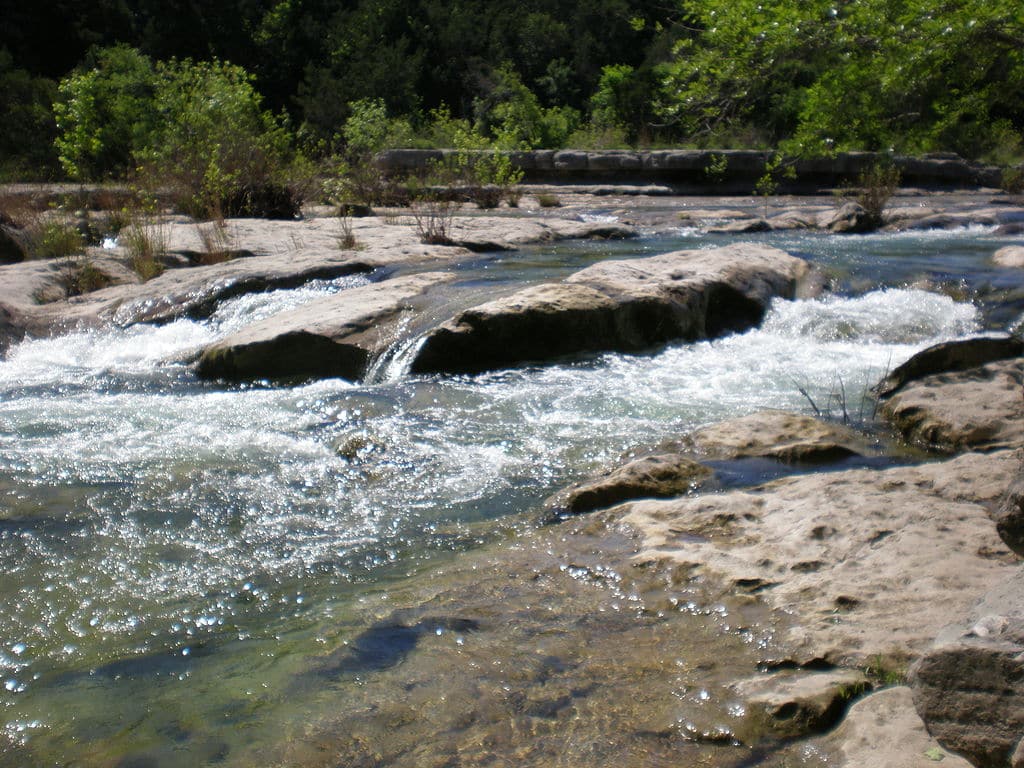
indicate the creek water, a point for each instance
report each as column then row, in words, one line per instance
column 354, row 574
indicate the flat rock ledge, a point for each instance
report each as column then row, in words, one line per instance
column 980, row 408
column 338, row 336
column 675, row 468
column 968, row 687
column 620, row 306
column 868, row 563
column 883, row 730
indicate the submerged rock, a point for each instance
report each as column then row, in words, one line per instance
column 796, row 704
column 791, row 438
column 967, row 688
column 658, row 476
column 624, row 306
column 336, row 336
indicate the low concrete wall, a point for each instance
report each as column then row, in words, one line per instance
column 686, row 171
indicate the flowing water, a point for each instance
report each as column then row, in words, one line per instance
column 343, row 574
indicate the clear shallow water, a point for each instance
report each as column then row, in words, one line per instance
column 175, row 553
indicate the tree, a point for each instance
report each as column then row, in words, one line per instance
column 871, row 74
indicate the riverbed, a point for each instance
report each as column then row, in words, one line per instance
column 358, row 574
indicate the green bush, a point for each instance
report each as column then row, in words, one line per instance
column 195, row 128
column 105, row 114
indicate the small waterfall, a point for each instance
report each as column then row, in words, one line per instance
column 394, row 363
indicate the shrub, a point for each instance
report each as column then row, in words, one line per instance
column 876, row 186
column 1013, row 181
column 58, row 239
column 145, row 238
column 546, row 200
column 105, row 114
column 196, row 128
column 81, row 275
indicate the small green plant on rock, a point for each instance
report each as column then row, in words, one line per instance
column 715, row 170
column 876, row 186
column 346, row 235
column 886, row 670
column 776, row 168
column 145, row 238
column 59, row 238
column 1013, row 180
column 81, row 275
column 547, row 200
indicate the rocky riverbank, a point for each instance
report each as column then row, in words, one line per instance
column 666, row 611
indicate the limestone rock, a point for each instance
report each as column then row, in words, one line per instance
column 951, row 356
column 657, row 476
column 884, row 730
column 978, row 408
column 788, row 437
column 624, row 306
column 850, row 217
column 336, row 336
column 1010, row 256
column 741, row 227
column 795, row 704
column 12, row 245
column 865, row 562
column 1009, row 518
column 967, row 688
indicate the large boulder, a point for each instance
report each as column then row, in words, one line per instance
column 337, row 336
column 968, row 687
column 625, row 306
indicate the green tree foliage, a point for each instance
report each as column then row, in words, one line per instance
column 26, row 114
column 908, row 74
column 513, row 115
column 198, row 127
column 105, row 114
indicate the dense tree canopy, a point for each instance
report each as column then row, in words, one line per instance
column 806, row 75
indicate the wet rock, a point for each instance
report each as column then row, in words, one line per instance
column 335, row 336
column 865, row 563
column 950, row 356
column 1010, row 256
column 850, row 217
column 13, row 247
column 967, row 688
column 793, row 220
column 12, row 328
column 979, row 408
column 793, row 705
column 1012, row 228
column 658, row 476
column 741, row 227
column 625, row 306
column 883, row 729
column 788, row 437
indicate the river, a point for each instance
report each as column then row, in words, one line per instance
column 197, row 574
